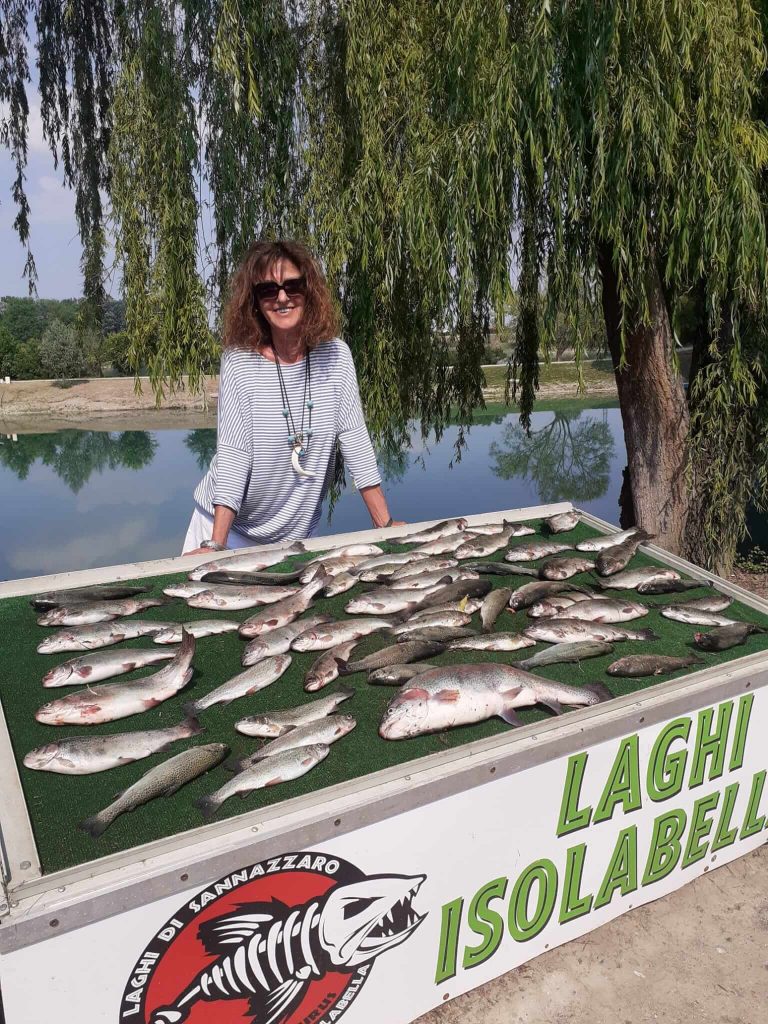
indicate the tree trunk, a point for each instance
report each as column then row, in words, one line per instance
column 654, row 411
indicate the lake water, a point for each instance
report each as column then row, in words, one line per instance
column 75, row 499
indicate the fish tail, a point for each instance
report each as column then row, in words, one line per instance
column 348, row 691
column 647, row 634
column 343, row 664
column 208, row 805
column 96, row 825
column 191, row 723
column 191, row 710
column 599, row 690
column 236, row 764
column 527, row 663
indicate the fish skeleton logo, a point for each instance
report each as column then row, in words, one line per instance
column 290, row 940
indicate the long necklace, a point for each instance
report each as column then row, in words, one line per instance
column 297, row 439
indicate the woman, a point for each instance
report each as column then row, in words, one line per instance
column 287, row 391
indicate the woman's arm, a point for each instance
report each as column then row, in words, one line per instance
column 223, row 518
column 376, row 504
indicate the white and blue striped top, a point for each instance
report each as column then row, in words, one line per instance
column 251, row 472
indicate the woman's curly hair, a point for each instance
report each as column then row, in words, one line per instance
column 244, row 323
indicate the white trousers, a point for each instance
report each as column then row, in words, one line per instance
column 201, row 528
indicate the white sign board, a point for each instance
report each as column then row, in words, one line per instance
column 386, row 922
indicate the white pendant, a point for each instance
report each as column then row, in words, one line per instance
column 295, row 461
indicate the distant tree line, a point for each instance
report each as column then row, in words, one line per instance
column 50, row 338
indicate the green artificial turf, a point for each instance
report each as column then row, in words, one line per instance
column 58, row 802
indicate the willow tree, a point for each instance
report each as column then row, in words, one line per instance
column 440, row 157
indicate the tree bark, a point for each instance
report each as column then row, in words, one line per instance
column 654, row 410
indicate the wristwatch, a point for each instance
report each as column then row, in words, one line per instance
column 213, row 545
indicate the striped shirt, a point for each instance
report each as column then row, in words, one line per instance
column 251, row 472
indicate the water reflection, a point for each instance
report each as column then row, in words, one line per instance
column 202, row 444
column 568, row 458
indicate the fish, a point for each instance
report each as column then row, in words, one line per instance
column 285, row 611
column 695, row 616
column 431, row 579
column 724, row 637
column 636, row 665
column 171, row 634
column 493, row 605
column 381, row 573
column 92, row 668
column 244, row 684
column 340, row 584
column 186, row 589
column 439, row 633
column 432, row 617
column 612, row 560
column 482, row 546
column 609, row 540
column 401, row 558
column 102, row 634
column 276, row 954
column 530, row 593
column 98, row 592
column 446, row 528
column 112, row 701
column 533, row 550
column 630, row 578
column 455, row 592
column 559, row 654
column 383, row 601
column 248, row 579
column 489, row 529
column 562, row 522
column 247, row 561
column 278, row 641
column 470, row 605
column 277, row 723
column 325, row 730
column 556, row 631
column 550, row 606
column 364, row 550
column 463, row 694
column 327, row 634
column 331, row 566
column 607, row 611
column 501, row 569
column 492, row 642
column 86, row 755
column 87, row 612
column 395, row 675
column 444, row 545
column 221, row 598
column 423, row 565
column 162, row 780
column 325, row 669
column 711, row 603
column 285, row 767
column 396, row 654
column 562, row 568
column 669, row 586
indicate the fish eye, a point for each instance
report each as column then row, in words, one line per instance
column 357, row 906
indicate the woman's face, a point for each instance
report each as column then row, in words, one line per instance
column 284, row 312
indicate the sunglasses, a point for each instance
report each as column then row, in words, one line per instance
column 270, row 290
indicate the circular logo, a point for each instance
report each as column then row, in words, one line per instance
column 290, row 940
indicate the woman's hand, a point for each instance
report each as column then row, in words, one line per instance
column 202, row 551
column 398, row 522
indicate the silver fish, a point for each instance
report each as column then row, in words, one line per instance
column 501, row 569
column 171, row 634
column 285, row 611
column 696, row 617
column 340, row 584
column 669, row 586
column 534, row 549
column 382, row 573
column 712, row 603
column 247, row 561
column 86, row 613
column 482, row 546
column 492, row 642
column 279, row 641
column 363, row 550
column 490, row 529
column 244, row 684
column 185, row 589
column 559, row 654
column 402, row 558
column 277, row 723
column 334, row 566
column 440, row 633
column 394, row 675
column 451, row 592
column 607, row 611
column 431, row 579
column 562, row 522
column 219, row 597
column 559, row 631
column 385, row 601
column 550, row 606
column 432, row 617
column 325, row 730
column 636, row 665
column 285, row 767
column 103, row 634
column 467, row 604
column 614, row 559
column 325, row 669
column 92, row 668
column 423, row 565
column 562, row 568
column 443, row 545
column 162, row 780
column 608, row 541
column 530, row 593
column 113, row 701
column 722, row 638
column 328, row 634
column 98, row 592
column 397, row 654
column 85, row 755
column 493, row 605
column 251, row 579
column 437, row 532
column 463, row 694
column 630, row 578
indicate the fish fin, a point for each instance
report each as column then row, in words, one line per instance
column 599, row 689
column 348, row 691
column 220, row 934
column 448, row 696
column 511, row 717
column 553, row 705
column 648, row 634
column 412, row 693
column 279, row 1002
